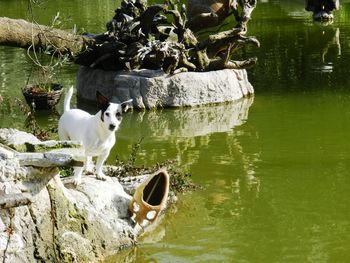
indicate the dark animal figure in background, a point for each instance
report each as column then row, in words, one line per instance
column 322, row 9
column 208, row 13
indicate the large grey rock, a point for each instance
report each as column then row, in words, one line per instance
column 49, row 222
column 152, row 89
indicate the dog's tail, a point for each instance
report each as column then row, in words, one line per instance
column 67, row 99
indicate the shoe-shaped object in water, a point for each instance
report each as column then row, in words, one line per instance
column 150, row 198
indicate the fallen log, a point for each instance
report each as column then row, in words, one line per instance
column 23, row 34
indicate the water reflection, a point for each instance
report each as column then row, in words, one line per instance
column 328, row 49
column 190, row 122
column 186, row 130
column 298, row 53
column 332, row 41
column 230, row 195
column 13, row 63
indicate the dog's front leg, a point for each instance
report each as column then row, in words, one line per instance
column 77, row 175
column 78, row 171
column 99, row 163
column 89, row 165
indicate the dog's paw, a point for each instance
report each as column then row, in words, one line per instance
column 77, row 181
column 101, row 176
column 89, row 170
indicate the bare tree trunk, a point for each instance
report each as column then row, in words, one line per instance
column 23, row 34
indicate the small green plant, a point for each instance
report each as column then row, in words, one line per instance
column 31, row 123
column 179, row 180
column 42, row 79
column 66, row 171
column 45, row 60
column 128, row 167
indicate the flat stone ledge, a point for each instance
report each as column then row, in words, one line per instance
column 153, row 88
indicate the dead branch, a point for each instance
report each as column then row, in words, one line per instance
column 23, row 34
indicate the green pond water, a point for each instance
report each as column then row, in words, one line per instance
column 275, row 168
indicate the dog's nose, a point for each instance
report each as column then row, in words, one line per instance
column 111, row 127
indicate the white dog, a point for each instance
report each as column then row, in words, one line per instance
column 96, row 132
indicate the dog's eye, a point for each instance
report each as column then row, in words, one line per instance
column 107, row 114
column 118, row 115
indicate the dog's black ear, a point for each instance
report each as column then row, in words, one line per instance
column 102, row 101
column 126, row 105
